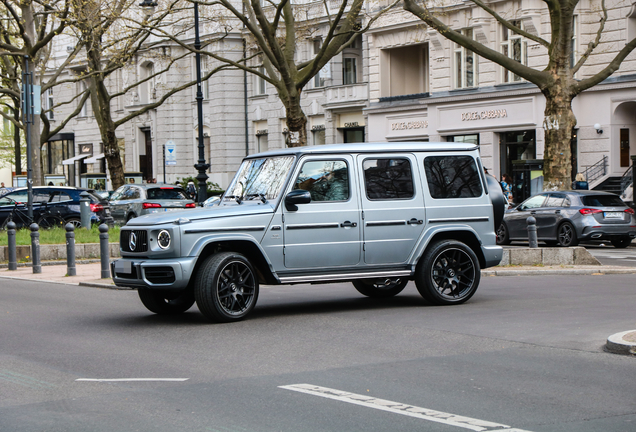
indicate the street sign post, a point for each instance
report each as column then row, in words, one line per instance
column 171, row 153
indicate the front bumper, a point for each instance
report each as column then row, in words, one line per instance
column 163, row 274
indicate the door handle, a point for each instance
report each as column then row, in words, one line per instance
column 415, row 221
column 347, row 224
column 533, row 212
column 557, row 212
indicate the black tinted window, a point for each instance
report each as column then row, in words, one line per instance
column 388, row 178
column 167, row 194
column 452, row 177
column 602, row 201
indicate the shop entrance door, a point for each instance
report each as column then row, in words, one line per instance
column 624, row 136
column 518, row 145
column 145, row 161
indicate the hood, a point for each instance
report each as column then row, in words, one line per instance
column 200, row 213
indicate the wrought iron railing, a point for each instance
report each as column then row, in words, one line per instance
column 598, row 170
column 627, row 179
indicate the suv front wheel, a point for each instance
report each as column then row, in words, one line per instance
column 226, row 287
column 448, row 273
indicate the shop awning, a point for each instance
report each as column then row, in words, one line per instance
column 72, row 160
column 94, row 159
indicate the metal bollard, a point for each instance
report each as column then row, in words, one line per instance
column 35, row 247
column 85, row 210
column 70, row 250
column 13, row 259
column 532, row 232
column 104, row 251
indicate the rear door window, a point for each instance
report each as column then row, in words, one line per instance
column 452, row 177
column 554, row 200
column 602, row 201
column 166, row 194
column 386, row 179
column 60, row 196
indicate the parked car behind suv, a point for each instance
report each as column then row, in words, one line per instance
column 377, row 215
column 58, row 200
column 131, row 201
column 568, row 217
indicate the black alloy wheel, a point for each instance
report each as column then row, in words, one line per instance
column 226, row 287
column 503, row 236
column 163, row 303
column 380, row 288
column 566, row 235
column 448, row 273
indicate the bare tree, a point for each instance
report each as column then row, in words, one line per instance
column 275, row 32
column 114, row 36
column 556, row 81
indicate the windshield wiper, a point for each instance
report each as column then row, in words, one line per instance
column 257, row 195
column 238, row 199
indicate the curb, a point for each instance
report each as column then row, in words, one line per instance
column 617, row 343
column 104, row 285
column 552, row 272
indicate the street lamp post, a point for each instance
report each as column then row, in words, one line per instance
column 201, row 166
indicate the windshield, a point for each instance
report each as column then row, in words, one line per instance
column 260, row 178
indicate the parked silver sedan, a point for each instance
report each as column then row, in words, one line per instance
column 131, row 201
column 568, row 217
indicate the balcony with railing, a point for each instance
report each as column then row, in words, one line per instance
column 346, row 95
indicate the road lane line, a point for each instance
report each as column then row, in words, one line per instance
column 403, row 409
column 130, row 379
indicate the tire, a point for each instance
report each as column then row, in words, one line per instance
column 226, row 287
column 49, row 221
column 77, row 223
column 448, row 273
column 566, row 235
column 380, row 288
column 163, row 303
column 622, row 242
column 503, row 236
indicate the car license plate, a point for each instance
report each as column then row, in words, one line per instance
column 171, row 209
column 613, row 215
column 123, row 267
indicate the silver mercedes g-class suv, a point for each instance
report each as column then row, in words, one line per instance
column 377, row 215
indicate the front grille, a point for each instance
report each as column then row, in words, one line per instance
column 159, row 275
column 141, row 241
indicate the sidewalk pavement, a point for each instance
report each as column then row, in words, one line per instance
column 88, row 275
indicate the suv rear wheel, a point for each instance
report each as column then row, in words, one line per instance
column 226, row 287
column 448, row 273
column 380, row 288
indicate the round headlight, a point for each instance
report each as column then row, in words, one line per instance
column 163, row 239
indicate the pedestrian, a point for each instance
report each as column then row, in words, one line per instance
column 191, row 190
column 506, row 186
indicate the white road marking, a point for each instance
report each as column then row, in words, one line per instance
column 130, row 379
column 400, row 408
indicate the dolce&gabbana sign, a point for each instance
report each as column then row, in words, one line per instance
column 484, row 115
column 417, row 124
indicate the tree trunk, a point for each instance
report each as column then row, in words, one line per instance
column 559, row 120
column 297, row 136
column 101, row 102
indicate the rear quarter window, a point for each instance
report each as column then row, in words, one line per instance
column 167, row 194
column 602, row 201
column 452, row 177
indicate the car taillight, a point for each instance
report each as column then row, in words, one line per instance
column 96, row 208
column 151, row 205
column 629, row 210
column 190, row 205
column 588, row 211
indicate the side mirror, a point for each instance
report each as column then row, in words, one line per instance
column 298, row 196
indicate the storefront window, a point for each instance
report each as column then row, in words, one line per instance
column 471, row 139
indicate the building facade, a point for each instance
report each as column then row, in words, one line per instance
column 400, row 81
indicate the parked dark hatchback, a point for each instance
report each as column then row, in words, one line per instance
column 567, row 217
column 62, row 201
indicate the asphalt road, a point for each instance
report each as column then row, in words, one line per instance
column 525, row 353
